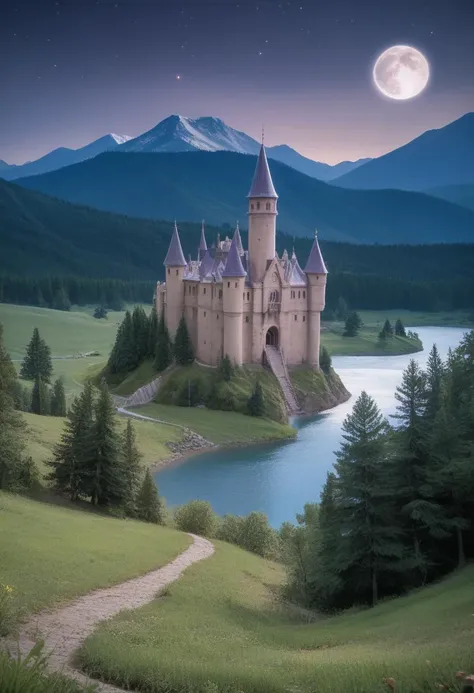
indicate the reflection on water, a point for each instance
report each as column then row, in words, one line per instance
column 279, row 478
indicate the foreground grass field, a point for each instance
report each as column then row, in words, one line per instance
column 49, row 554
column 220, row 427
column 43, row 432
column 222, row 623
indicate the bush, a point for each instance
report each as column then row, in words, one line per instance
column 257, row 536
column 196, row 517
column 7, row 611
column 29, row 675
column 230, row 529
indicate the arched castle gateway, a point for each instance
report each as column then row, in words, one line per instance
column 248, row 304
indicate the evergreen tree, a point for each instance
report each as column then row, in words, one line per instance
column 163, row 351
column 352, row 325
column 423, row 515
column 325, row 361
column 123, row 357
column 61, row 299
column 40, row 398
column 399, row 329
column 150, row 507
column 387, row 328
column 105, row 480
column 100, row 312
column 434, row 380
column 58, row 399
column 11, row 423
column 382, row 336
column 225, row 370
column 131, row 464
column 183, row 348
column 140, row 333
column 152, row 332
column 370, row 544
column 256, row 405
column 324, row 572
column 37, row 361
column 72, row 455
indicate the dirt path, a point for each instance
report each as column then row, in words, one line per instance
column 65, row 629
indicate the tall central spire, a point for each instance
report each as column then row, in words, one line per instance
column 262, row 184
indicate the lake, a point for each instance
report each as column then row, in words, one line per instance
column 279, row 478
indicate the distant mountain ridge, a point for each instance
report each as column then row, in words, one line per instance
column 61, row 157
column 196, row 184
column 179, row 134
column 436, row 158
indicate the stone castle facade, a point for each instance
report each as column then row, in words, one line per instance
column 247, row 303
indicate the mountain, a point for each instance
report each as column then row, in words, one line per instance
column 436, row 158
column 63, row 156
column 214, row 185
column 460, row 194
column 43, row 236
column 315, row 169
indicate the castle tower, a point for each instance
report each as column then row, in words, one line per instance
column 202, row 243
column 317, row 273
column 262, row 219
column 233, row 283
column 175, row 264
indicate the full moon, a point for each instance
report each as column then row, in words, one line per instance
column 401, row 72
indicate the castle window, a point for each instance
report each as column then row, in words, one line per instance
column 251, row 206
column 267, row 206
column 258, row 205
column 299, row 294
column 296, row 318
column 236, row 284
column 228, row 285
column 217, row 316
column 204, row 291
column 248, row 295
column 220, row 293
column 169, row 271
column 246, row 318
column 177, row 272
column 304, row 294
column 205, row 313
column 304, row 318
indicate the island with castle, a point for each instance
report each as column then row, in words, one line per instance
column 251, row 305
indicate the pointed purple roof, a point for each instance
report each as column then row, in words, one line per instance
column 262, row 184
column 174, row 256
column 202, row 243
column 206, row 266
column 233, row 266
column 238, row 240
column 315, row 264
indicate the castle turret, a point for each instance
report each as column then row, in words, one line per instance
column 262, row 219
column 317, row 273
column 202, row 243
column 175, row 264
column 233, row 281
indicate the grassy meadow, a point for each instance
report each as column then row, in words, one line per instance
column 223, row 624
column 220, row 427
column 49, row 554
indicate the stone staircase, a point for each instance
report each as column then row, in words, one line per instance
column 143, row 395
column 277, row 365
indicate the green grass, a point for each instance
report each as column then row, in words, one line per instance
column 222, row 623
column 49, row 554
column 142, row 375
column 455, row 318
column 366, row 343
column 43, row 432
column 220, row 427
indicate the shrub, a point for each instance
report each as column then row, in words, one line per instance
column 196, row 517
column 230, row 529
column 7, row 611
column 257, row 536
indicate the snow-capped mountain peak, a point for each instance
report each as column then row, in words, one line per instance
column 119, row 139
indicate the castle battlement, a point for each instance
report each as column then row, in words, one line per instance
column 238, row 302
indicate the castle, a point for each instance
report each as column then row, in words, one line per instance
column 247, row 304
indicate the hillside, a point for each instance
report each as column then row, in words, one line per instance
column 214, row 185
column 436, row 158
column 459, row 194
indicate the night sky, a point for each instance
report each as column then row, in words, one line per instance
column 73, row 70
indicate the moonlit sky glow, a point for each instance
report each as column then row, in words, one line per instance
column 74, row 70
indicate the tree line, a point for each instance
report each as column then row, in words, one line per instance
column 397, row 511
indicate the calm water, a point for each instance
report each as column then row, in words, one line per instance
column 278, row 479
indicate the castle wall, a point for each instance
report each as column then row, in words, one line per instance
column 262, row 234
column 233, row 315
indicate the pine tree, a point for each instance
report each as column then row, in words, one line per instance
column 40, row 398
column 37, row 360
column 73, row 454
column 399, row 329
column 105, row 476
column 11, row 423
column 387, row 328
column 152, row 332
column 131, row 465
column 352, row 325
column 149, row 504
column 325, row 361
column 324, row 570
column 163, row 351
column 140, row 332
column 371, row 542
column 123, row 357
column 100, row 312
column 225, row 370
column 256, row 405
column 434, row 379
column 58, row 399
column 183, row 348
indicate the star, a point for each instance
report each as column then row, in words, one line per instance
column 178, row 77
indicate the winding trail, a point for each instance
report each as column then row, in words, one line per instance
column 64, row 630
